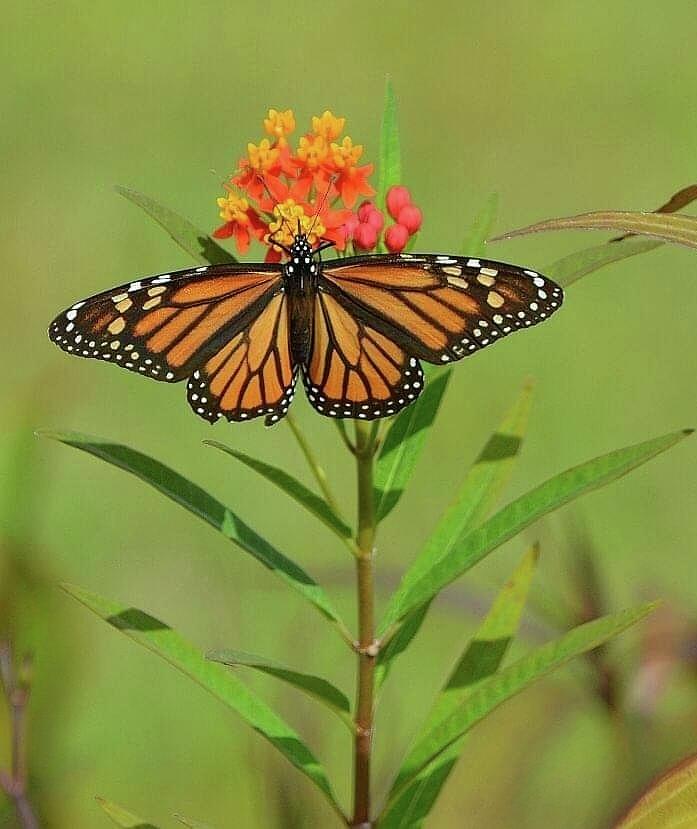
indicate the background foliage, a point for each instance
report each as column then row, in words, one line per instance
column 560, row 108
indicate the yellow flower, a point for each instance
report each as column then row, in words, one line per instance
column 285, row 224
column 313, row 151
column 328, row 125
column 346, row 154
column 263, row 157
column 280, row 124
column 233, row 208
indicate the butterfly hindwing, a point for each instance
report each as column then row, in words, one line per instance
column 165, row 326
column 252, row 374
column 442, row 308
column 354, row 370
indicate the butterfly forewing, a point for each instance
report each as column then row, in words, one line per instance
column 354, row 370
column 442, row 308
column 166, row 325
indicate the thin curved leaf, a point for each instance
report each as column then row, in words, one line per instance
column 403, row 444
column 159, row 638
column 475, row 241
column 506, row 683
column 667, row 227
column 314, row 504
column 194, row 241
column 509, row 521
column 390, row 156
column 122, row 817
column 479, row 493
column 571, row 268
column 315, row 686
column 192, row 824
column 482, row 658
column 205, row 506
column 670, row 802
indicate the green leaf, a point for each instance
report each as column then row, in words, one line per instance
column 403, row 444
column 667, row 227
column 390, row 158
column 571, row 268
column 315, row 686
column 489, row 693
column 475, row 241
column 123, row 818
column 192, row 824
column 205, row 506
column 190, row 238
column 479, row 493
column 509, row 521
column 159, row 638
column 482, row 658
column 670, row 802
column 314, row 504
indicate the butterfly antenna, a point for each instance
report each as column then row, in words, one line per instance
column 321, row 204
column 273, row 199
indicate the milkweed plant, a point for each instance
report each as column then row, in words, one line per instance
column 323, row 184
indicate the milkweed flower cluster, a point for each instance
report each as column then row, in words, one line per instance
column 313, row 185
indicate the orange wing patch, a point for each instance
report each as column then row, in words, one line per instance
column 354, row 370
column 252, row 375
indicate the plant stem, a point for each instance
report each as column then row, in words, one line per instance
column 366, row 646
column 313, row 463
column 15, row 783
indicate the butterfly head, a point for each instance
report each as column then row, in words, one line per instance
column 300, row 251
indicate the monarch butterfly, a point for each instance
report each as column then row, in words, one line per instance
column 355, row 329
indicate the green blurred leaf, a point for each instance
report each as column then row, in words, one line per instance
column 192, row 824
column 123, row 818
column 571, row 268
column 159, row 638
column 483, row 224
column 314, row 504
column 490, row 692
column 670, row 802
column 315, row 686
column 674, row 228
column 477, row 496
column 390, row 158
column 203, row 249
column 518, row 515
column 403, row 444
column 482, row 658
column 205, row 506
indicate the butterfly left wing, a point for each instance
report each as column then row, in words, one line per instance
column 441, row 308
column 354, row 370
column 225, row 326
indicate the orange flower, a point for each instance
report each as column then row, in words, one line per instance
column 352, row 180
column 263, row 163
column 241, row 221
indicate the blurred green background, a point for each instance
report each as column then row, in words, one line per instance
column 560, row 107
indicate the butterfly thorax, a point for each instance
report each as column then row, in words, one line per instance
column 300, row 284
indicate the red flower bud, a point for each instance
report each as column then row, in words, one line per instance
column 365, row 210
column 376, row 220
column 365, row 236
column 350, row 226
column 411, row 217
column 396, row 238
column 397, row 198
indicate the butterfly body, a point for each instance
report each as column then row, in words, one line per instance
column 354, row 328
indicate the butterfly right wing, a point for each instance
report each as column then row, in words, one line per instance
column 354, row 370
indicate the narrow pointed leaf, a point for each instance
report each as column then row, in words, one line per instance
column 205, row 506
column 506, row 683
column 482, row 658
column 483, row 224
column 509, row 521
column 403, row 444
column 667, row 227
column 122, row 817
column 192, row 824
column 314, row 504
column 479, row 493
column 315, row 686
column 670, row 802
column 571, row 268
column 194, row 241
column 390, row 156
column 159, row 638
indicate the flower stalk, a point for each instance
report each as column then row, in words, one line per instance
column 366, row 646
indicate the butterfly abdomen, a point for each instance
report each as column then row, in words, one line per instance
column 300, row 285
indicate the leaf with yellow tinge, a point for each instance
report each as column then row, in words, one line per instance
column 123, row 818
column 670, row 802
